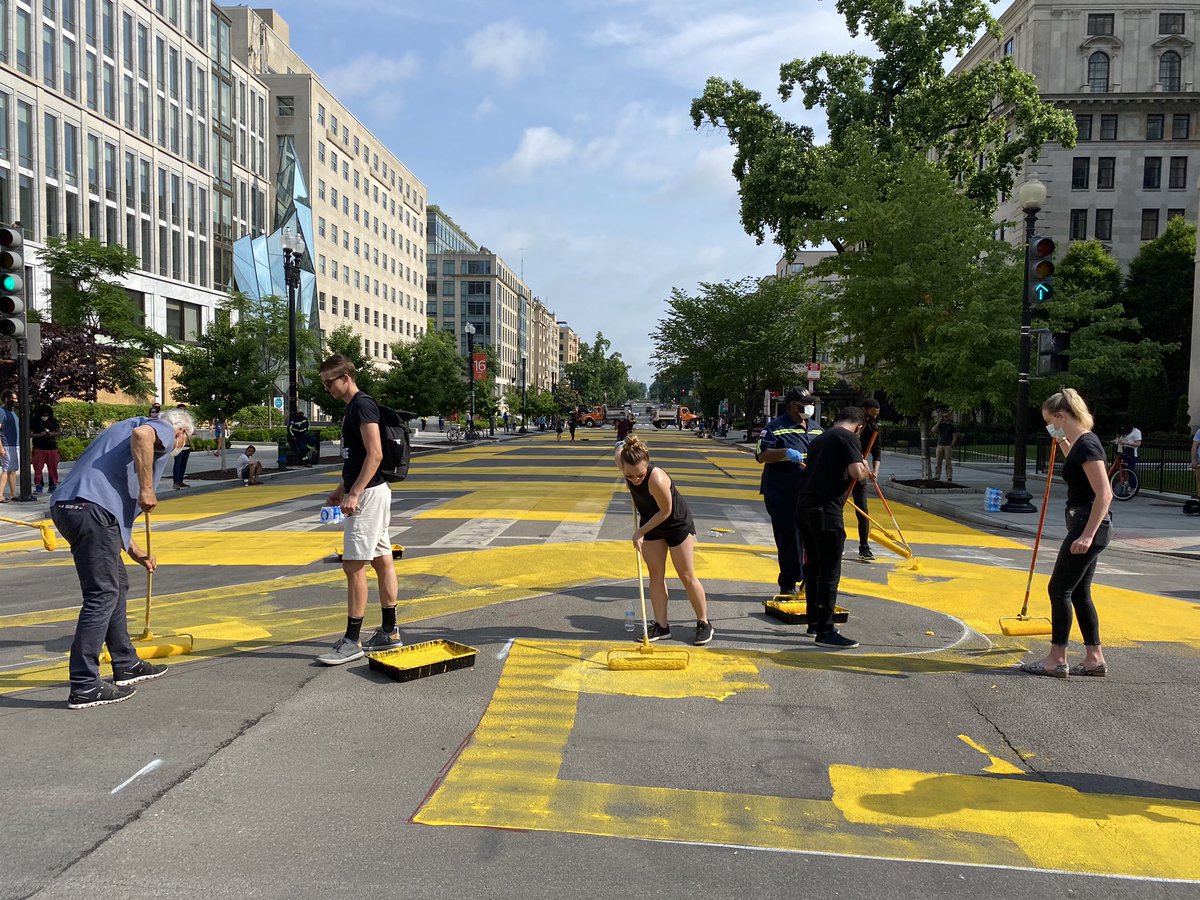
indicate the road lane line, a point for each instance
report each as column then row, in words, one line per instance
column 146, row 769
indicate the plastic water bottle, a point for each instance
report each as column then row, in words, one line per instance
column 630, row 616
column 331, row 515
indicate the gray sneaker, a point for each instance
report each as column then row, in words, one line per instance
column 383, row 640
column 344, row 651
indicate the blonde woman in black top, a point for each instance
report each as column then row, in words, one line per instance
column 1089, row 529
column 665, row 526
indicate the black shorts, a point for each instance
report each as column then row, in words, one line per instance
column 673, row 536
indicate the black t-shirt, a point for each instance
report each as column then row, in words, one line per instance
column 1087, row 449
column 870, row 430
column 946, row 432
column 825, row 479
column 47, row 424
column 361, row 410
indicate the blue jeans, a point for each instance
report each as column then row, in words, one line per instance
column 95, row 540
column 180, row 465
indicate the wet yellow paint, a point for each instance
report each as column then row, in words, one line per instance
column 997, row 766
column 716, row 676
column 509, row 777
column 584, row 503
column 229, row 502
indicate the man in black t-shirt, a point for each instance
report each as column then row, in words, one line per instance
column 869, row 438
column 366, row 502
column 834, row 463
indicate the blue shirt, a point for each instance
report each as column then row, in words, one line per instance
column 784, row 478
column 105, row 475
column 8, row 427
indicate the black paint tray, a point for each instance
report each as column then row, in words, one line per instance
column 421, row 660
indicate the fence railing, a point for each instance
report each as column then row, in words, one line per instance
column 1164, row 464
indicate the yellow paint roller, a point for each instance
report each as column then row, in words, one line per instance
column 49, row 541
column 885, row 540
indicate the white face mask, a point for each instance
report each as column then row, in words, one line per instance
column 809, row 411
column 1054, row 432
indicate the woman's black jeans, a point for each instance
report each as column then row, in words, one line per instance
column 1071, row 582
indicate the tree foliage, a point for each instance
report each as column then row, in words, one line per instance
column 342, row 340
column 426, row 376
column 222, row 372
column 737, row 338
column 981, row 124
column 598, row 376
column 77, row 362
column 266, row 321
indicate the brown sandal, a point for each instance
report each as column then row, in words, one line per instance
column 1095, row 672
column 1036, row 668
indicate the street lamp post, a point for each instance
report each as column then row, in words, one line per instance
column 1031, row 195
column 293, row 249
column 470, row 331
column 524, row 409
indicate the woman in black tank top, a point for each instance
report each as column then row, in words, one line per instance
column 665, row 526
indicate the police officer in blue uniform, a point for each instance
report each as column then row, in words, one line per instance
column 782, row 449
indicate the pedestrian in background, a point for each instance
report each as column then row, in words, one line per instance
column 10, row 448
column 869, row 438
column 94, row 509
column 179, row 469
column 219, row 435
column 1089, row 530
column 665, row 526
column 248, row 468
column 1196, row 459
column 835, row 462
column 366, row 502
column 558, row 427
column 574, row 425
column 781, row 449
column 1129, row 440
column 947, row 438
column 44, row 432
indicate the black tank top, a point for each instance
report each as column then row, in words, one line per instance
column 647, row 506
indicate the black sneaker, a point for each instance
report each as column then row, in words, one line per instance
column 143, row 671
column 811, row 631
column 865, row 554
column 101, row 695
column 704, row 633
column 657, row 632
column 832, row 638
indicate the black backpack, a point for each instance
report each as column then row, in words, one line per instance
column 397, row 445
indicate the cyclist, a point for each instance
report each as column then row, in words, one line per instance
column 1129, row 440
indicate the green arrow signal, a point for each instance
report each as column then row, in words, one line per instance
column 1043, row 292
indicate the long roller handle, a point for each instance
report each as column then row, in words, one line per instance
column 641, row 586
column 1041, row 520
column 146, row 635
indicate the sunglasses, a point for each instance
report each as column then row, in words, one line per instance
column 328, row 381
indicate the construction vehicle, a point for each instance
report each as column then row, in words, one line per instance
column 667, row 415
column 598, row 416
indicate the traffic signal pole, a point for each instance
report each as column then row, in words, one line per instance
column 26, row 479
column 1018, row 498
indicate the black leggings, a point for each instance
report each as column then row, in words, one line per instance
column 1071, row 582
column 824, row 537
column 860, row 500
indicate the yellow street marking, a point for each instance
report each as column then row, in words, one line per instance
column 998, row 766
column 221, row 503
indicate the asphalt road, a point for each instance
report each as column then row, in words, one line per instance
column 919, row 764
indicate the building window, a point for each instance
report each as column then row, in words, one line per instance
column 1176, row 213
column 321, row 121
column 1154, row 127
column 1170, row 72
column 1100, row 23
column 1178, row 173
column 1083, row 127
column 1104, row 224
column 1008, row 47
column 183, row 320
column 1152, row 173
column 1108, row 127
column 1170, row 23
column 1149, row 224
column 1079, row 224
column 285, row 106
column 1106, row 170
column 1181, row 126
column 1080, row 169
column 1098, row 73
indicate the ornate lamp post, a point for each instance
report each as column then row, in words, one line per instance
column 470, row 332
column 1032, row 195
column 524, row 409
column 293, row 249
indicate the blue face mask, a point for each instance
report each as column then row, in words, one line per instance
column 1056, row 433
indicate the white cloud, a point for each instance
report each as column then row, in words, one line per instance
column 375, row 81
column 486, row 108
column 506, row 49
column 540, row 147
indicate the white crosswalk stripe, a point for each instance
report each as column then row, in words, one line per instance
column 573, row 532
column 475, row 533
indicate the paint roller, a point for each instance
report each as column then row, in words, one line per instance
column 49, row 541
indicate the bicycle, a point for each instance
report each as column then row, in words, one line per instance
column 1124, row 480
column 454, row 434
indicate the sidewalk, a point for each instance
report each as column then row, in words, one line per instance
column 1151, row 522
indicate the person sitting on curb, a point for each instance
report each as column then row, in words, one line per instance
column 248, row 468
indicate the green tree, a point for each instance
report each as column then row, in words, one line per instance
column 221, row 372
column 426, row 376
column 981, row 124
column 1158, row 294
column 925, row 295
column 266, row 320
column 598, row 376
column 342, row 340
column 736, row 339
column 86, row 296
column 1107, row 351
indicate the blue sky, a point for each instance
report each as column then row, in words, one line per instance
column 560, row 132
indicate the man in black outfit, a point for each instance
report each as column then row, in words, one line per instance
column 834, row 463
column 869, row 438
column 301, row 439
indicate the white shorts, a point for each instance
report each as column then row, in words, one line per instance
column 365, row 534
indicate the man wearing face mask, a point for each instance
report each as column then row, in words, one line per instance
column 94, row 508
column 869, row 438
column 781, row 450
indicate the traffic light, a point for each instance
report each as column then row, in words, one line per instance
column 1041, row 270
column 12, row 284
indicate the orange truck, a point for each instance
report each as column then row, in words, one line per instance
column 666, row 416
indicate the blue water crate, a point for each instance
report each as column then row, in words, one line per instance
column 992, row 499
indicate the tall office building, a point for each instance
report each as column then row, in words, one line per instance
column 469, row 283
column 543, row 347
column 568, row 348
column 368, row 209
column 119, row 121
column 1129, row 77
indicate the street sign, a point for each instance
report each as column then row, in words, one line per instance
column 479, row 367
column 814, row 371
column 279, row 403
